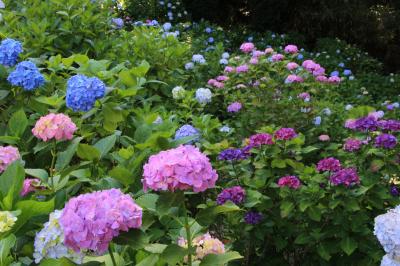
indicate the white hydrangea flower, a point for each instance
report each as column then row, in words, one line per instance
column 203, row 95
column 49, row 242
column 178, row 92
column 7, row 221
column 387, row 230
column 198, row 58
column 388, row 260
column 225, row 129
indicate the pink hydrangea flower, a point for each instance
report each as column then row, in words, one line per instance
column 90, row 221
column 182, row 168
column 205, row 244
column 54, row 126
column 291, row 49
column 309, row 65
column 269, row 51
column 277, row 57
column 211, row 82
column 285, row 134
column 352, row 145
column 242, row 69
column 8, row 155
column 247, row 47
column 350, row 123
column 219, row 85
column 329, row 164
column 324, row 138
column 318, row 71
column 292, row 66
column 222, row 78
column 289, row 181
column 234, row 107
column 294, row 79
column 334, row 80
column 229, row 69
column 304, row 96
column 253, row 61
column 30, row 185
column 261, row 139
column 321, row 79
column 258, row 53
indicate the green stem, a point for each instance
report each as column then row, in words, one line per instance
column 111, row 255
column 53, row 161
column 188, row 234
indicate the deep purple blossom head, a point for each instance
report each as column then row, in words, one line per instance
column 352, row 145
column 386, row 141
column 367, row 123
column 329, row 164
column 346, row 176
column 91, row 221
column 389, row 125
column 252, row 217
column 233, row 155
column 394, row 191
column 285, row 134
column 261, row 139
column 234, row 107
column 235, row 194
column 290, row 182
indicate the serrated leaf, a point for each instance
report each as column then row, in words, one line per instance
column 65, row 157
column 105, row 144
column 88, row 152
column 18, row 123
column 173, row 254
column 148, row 201
column 348, row 245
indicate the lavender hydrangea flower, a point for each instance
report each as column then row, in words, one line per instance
column 389, row 125
column 27, row 76
column 234, row 107
column 346, row 176
column 253, row 218
column 187, row 131
column 235, row 194
column 203, row 96
column 233, row 155
column 367, row 123
column 9, row 52
column 386, row 141
column 118, row 23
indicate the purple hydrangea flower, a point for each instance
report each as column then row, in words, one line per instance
column 235, row 194
column 389, row 125
column 261, row 139
column 252, row 217
column 386, row 141
column 352, row 145
column 329, row 164
column 285, row 134
column 234, row 107
column 346, row 176
column 367, row 123
column 233, row 155
column 394, row 191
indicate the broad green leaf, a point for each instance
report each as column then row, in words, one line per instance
column 135, row 238
column 5, row 246
column 168, row 200
column 32, row 208
column 348, row 245
column 56, row 262
column 173, row 254
column 148, row 201
column 65, row 157
column 106, row 144
column 323, row 252
column 220, row 259
column 88, row 152
column 11, row 182
column 155, row 248
column 302, row 239
column 123, row 175
column 314, row 213
column 278, row 163
column 286, row 208
column 207, row 216
column 39, row 173
column 151, row 260
column 18, row 123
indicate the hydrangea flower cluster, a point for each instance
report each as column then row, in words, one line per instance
column 292, row 66
column 205, row 244
column 203, row 95
column 387, row 231
column 49, row 242
column 233, row 154
column 9, row 52
column 389, row 125
column 90, row 221
column 178, row 93
column 234, row 107
column 242, row 69
column 30, row 185
column 7, row 221
column 198, row 58
column 252, row 217
column 182, row 168
column 54, row 126
column 261, row 139
column 329, row 164
column 352, row 145
column 346, row 176
column 289, row 181
column 187, row 131
column 293, row 79
column 247, row 47
column 235, row 194
column 291, row 49
column 82, row 92
column 324, row 138
column 27, row 76
column 285, row 134
column 8, row 155
column 386, row 141
column 367, row 123
column 277, row 57
column 118, row 23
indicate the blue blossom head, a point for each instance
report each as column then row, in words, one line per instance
column 210, row 40
column 208, row 30
column 167, row 26
column 118, row 23
column 9, row 52
column 187, row 131
column 317, row 120
column 347, row 72
column 225, row 55
column 189, row 66
column 341, row 65
column 335, row 74
column 198, row 58
column 82, row 92
column 223, row 61
column 300, row 56
column 203, row 95
column 27, row 76
column 225, row 129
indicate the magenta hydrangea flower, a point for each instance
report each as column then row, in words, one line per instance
column 329, row 164
column 8, row 155
column 285, row 134
column 234, row 107
column 304, row 96
column 277, row 57
column 386, row 141
column 292, row 66
column 54, row 126
column 352, row 145
column 247, row 47
column 90, row 221
column 291, row 49
column 346, row 176
column 229, row 69
column 182, row 168
column 334, row 80
column 261, row 139
column 321, row 79
column 289, row 181
column 242, row 69
column 293, row 79
column 235, row 194
column 30, row 185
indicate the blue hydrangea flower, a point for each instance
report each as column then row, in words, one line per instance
column 225, row 55
column 203, row 95
column 223, row 61
column 225, row 129
column 327, row 111
column 351, row 78
column 317, row 120
column 27, row 76
column 118, row 23
column 300, row 56
column 187, row 131
column 208, row 30
column 82, row 92
column 341, row 65
column 335, row 74
column 210, row 40
column 167, row 26
column 347, row 72
column 9, row 52
column 198, row 58
column 189, row 66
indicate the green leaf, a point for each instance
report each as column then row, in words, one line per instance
column 88, row 152
column 220, row 259
column 39, row 173
column 18, row 123
column 286, row 208
column 11, row 182
column 155, row 248
column 207, row 216
column 105, row 144
column 168, row 200
column 65, row 157
column 302, row 239
column 348, row 245
column 148, row 201
column 56, row 262
column 314, row 213
column 323, row 252
column 149, row 261
column 135, row 238
column 173, row 254
column 5, row 246
column 32, row 208
column 278, row 163
column 141, row 70
column 123, row 175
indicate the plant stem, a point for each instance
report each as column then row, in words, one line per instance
column 111, row 255
column 188, row 234
column 53, row 161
